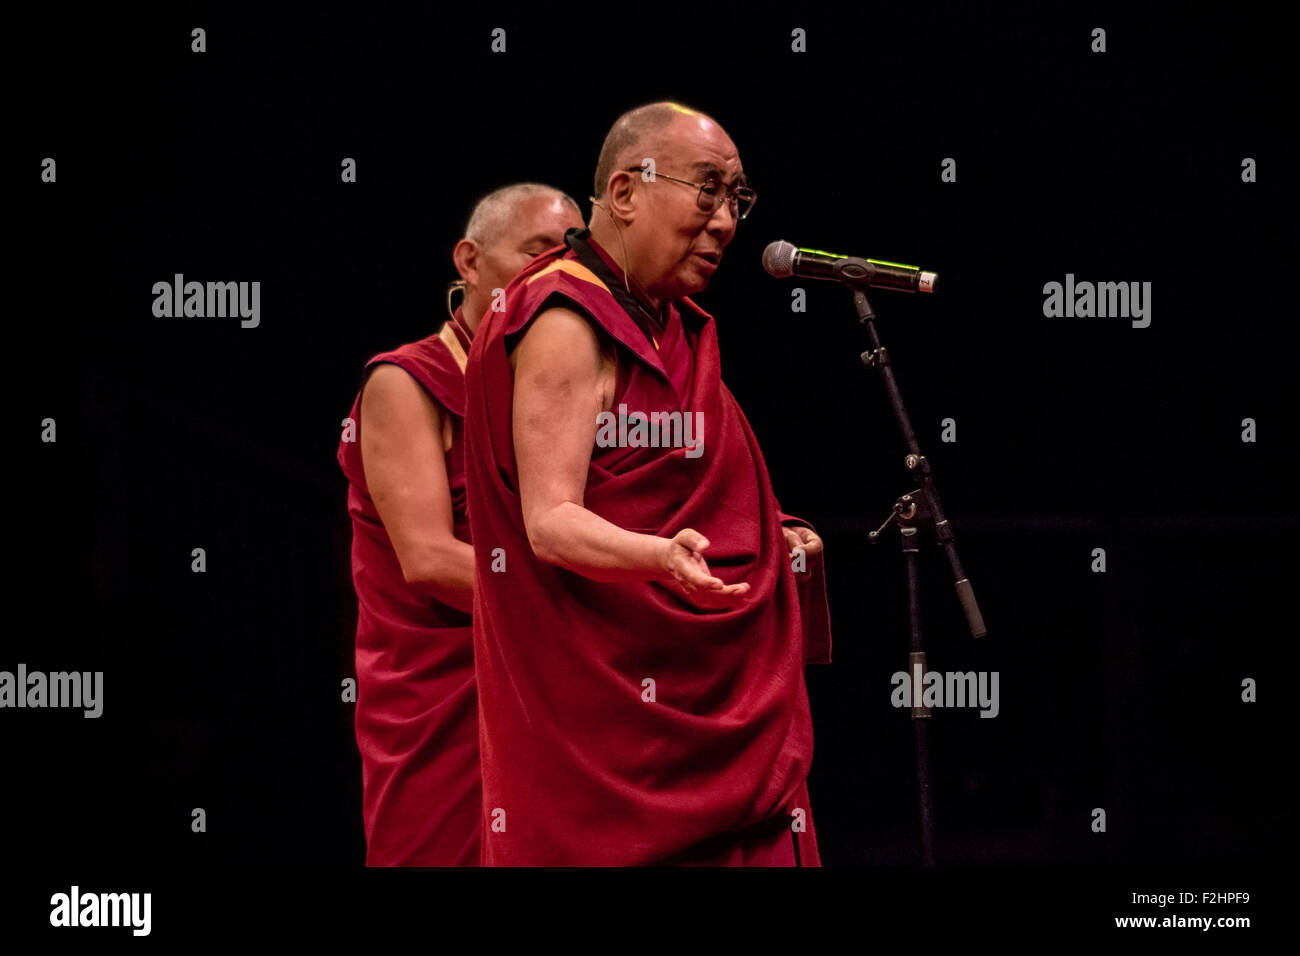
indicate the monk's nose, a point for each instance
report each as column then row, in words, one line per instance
column 722, row 224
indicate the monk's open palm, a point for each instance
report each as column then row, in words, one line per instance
column 688, row 573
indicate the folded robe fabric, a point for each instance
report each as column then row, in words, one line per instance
column 619, row 723
column 416, row 710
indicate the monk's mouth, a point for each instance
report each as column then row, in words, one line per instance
column 709, row 259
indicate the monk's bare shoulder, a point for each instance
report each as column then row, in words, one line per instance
column 391, row 394
column 564, row 342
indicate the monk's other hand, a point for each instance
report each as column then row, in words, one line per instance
column 801, row 537
column 686, row 570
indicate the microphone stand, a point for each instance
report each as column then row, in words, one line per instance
column 919, row 508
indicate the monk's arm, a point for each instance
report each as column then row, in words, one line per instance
column 558, row 394
column 559, row 391
column 406, row 472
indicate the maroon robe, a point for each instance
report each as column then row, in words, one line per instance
column 579, row 765
column 417, row 710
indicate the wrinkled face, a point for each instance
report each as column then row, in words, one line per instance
column 675, row 244
column 538, row 224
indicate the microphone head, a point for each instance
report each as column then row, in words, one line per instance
column 778, row 258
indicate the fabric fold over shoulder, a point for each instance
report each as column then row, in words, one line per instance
column 437, row 364
column 573, row 281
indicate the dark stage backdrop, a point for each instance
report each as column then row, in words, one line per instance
column 1156, row 161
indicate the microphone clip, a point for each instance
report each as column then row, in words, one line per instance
column 855, row 273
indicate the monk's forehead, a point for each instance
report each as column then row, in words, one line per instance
column 540, row 215
column 694, row 140
column 543, row 206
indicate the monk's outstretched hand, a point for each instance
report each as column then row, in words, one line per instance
column 688, row 573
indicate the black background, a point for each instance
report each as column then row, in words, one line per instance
column 222, row 690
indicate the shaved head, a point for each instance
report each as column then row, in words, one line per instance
column 494, row 212
column 634, row 136
column 662, row 228
column 508, row 229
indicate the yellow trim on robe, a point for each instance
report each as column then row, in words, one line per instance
column 453, row 346
column 578, row 271
column 575, row 269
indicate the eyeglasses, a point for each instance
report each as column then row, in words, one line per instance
column 740, row 197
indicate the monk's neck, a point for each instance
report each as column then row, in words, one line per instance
column 471, row 312
column 652, row 303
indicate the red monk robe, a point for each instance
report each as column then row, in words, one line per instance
column 579, row 766
column 417, row 710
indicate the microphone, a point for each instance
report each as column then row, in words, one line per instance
column 782, row 259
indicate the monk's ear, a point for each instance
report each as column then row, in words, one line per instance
column 466, row 257
column 621, row 196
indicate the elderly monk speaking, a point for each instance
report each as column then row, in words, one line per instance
column 643, row 610
column 412, row 564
